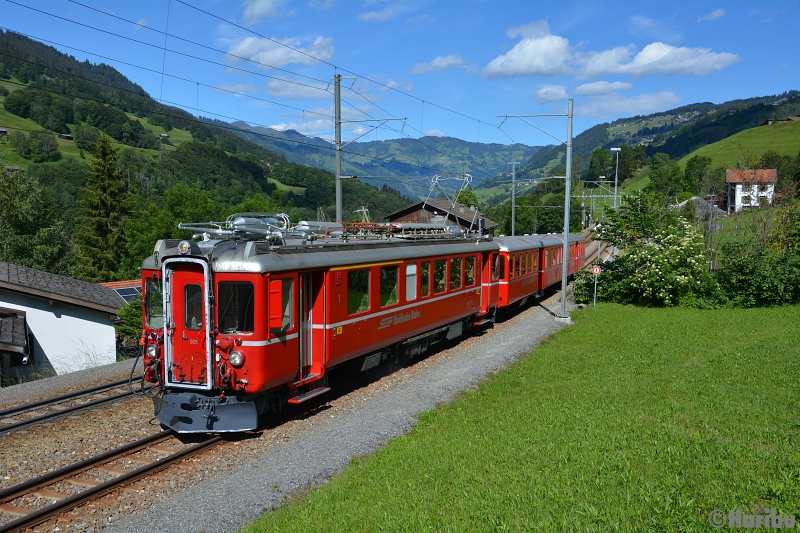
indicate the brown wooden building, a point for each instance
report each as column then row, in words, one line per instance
column 435, row 211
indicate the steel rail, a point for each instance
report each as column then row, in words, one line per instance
column 38, row 516
column 47, row 402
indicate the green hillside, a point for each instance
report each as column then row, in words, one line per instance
column 782, row 137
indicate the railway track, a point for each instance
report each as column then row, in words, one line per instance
column 85, row 480
column 63, row 405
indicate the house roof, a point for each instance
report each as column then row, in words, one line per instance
column 49, row 286
column 441, row 206
column 768, row 175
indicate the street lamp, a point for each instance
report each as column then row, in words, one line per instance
column 616, row 175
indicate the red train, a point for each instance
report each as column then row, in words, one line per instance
column 258, row 312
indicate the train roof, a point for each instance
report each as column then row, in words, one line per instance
column 526, row 242
column 299, row 255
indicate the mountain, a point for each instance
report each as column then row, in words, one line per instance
column 676, row 132
column 391, row 160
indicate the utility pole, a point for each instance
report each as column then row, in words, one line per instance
column 616, row 176
column 513, row 195
column 565, row 262
column 337, row 106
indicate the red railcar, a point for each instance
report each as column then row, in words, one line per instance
column 235, row 327
column 531, row 263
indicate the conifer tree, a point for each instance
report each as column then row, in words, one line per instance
column 106, row 203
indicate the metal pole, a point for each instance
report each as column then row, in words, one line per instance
column 565, row 260
column 337, row 106
column 513, row 197
column 595, row 289
column 616, row 178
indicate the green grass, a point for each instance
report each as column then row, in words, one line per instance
column 783, row 137
column 631, row 420
column 289, row 188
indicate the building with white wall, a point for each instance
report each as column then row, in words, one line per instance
column 52, row 324
column 750, row 188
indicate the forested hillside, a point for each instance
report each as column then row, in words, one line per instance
column 155, row 166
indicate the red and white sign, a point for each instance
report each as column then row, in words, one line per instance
column 596, row 270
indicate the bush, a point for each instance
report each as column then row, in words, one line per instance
column 3, row 90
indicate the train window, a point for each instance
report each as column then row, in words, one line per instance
column 511, row 266
column 525, row 257
column 388, row 285
column 235, row 307
column 535, row 257
column 193, row 307
column 424, row 279
column 519, row 265
column 154, row 303
column 283, row 313
column 439, row 271
column 411, row 282
column 495, row 266
column 501, row 267
column 455, row 273
column 469, row 271
column 530, row 261
column 357, row 291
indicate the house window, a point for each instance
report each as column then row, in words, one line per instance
column 357, row 291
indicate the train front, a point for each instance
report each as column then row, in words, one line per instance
column 195, row 321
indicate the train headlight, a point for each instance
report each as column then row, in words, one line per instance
column 236, row 358
column 151, row 351
column 183, row 247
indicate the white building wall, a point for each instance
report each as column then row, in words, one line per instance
column 67, row 337
column 748, row 195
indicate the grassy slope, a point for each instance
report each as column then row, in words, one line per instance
column 783, row 137
column 664, row 417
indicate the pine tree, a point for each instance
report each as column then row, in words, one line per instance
column 106, row 203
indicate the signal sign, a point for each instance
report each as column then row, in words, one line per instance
column 596, row 270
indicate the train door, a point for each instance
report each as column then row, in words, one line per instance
column 311, row 318
column 490, row 284
column 187, row 324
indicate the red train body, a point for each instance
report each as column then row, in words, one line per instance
column 235, row 327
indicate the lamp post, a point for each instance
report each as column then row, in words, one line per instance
column 616, row 175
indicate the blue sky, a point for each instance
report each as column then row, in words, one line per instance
column 411, row 60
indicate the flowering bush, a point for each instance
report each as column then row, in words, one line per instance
column 661, row 263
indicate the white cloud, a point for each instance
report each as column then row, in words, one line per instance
column 660, row 58
column 274, row 55
column 419, row 19
column 315, row 128
column 435, row 133
column 440, row 63
column 141, row 23
column 714, row 15
column 601, row 87
column 537, row 28
column 537, row 54
column 550, row 93
column 258, row 10
column 377, row 16
column 614, row 104
column 236, row 88
column 300, row 90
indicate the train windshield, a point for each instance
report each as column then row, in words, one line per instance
column 235, row 306
column 154, row 303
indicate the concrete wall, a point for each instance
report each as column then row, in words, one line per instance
column 66, row 337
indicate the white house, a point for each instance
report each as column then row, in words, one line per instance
column 52, row 324
column 750, row 188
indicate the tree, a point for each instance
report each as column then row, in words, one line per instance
column 631, row 158
column 666, row 176
column 696, row 173
column 598, row 163
column 106, row 204
column 31, row 234
column 467, row 197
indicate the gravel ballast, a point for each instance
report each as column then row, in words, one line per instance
column 327, row 440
